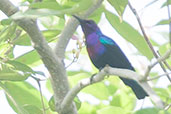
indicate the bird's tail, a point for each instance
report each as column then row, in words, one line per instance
column 137, row 89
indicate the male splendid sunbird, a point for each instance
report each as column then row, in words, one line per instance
column 104, row 51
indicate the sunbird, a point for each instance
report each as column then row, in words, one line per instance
column 103, row 51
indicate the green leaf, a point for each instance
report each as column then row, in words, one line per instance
column 77, row 102
column 49, row 86
column 36, row 13
column 20, row 66
column 119, row 5
column 53, row 22
column 52, row 103
column 30, row 58
column 112, row 110
column 74, row 79
column 165, row 3
column 123, row 99
column 8, row 32
column 95, row 89
column 25, row 39
column 130, row 34
column 9, row 73
column 163, row 22
column 99, row 90
column 150, row 111
column 18, row 107
column 164, row 94
column 96, row 15
column 25, row 95
column 6, row 21
column 73, row 73
column 87, row 108
column 32, row 109
column 163, row 49
column 48, row 5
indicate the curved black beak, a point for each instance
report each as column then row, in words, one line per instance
column 79, row 19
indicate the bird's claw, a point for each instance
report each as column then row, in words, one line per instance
column 91, row 78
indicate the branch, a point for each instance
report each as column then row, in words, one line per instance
column 162, row 58
column 146, row 38
column 113, row 72
column 70, row 28
column 168, row 10
column 159, row 76
column 53, row 64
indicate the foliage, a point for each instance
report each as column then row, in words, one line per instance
column 24, row 98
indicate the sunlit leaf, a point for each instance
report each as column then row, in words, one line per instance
column 48, row 5
column 36, row 13
column 25, row 39
column 130, row 34
column 87, row 108
column 9, row 73
column 124, row 100
column 6, row 21
column 52, row 103
column 119, row 5
column 24, row 94
column 30, row 58
column 53, row 22
column 32, row 109
column 165, row 3
column 164, row 22
column 164, row 94
column 77, row 102
column 150, row 111
column 111, row 110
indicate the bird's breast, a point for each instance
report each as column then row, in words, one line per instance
column 96, row 50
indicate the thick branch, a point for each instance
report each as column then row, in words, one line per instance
column 53, row 64
column 113, row 72
column 70, row 28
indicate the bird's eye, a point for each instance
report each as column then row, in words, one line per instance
column 88, row 22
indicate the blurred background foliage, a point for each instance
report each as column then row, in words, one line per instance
column 19, row 61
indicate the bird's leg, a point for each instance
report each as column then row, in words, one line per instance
column 91, row 78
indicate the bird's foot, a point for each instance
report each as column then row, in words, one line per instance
column 91, row 78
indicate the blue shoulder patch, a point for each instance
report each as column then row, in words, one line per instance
column 106, row 40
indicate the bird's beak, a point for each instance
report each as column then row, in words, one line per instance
column 79, row 19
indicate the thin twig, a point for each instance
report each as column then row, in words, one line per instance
column 162, row 58
column 168, row 9
column 146, row 38
column 167, row 107
column 159, row 76
column 167, row 65
column 41, row 95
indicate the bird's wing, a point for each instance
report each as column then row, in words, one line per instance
column 114, row 55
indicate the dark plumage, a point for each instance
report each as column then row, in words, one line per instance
column 103, row 50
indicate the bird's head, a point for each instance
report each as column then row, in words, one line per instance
column 88, row 26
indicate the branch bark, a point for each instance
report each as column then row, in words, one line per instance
column 52, row 61
column 162, row 58
column 114, row 72
column 53, row 64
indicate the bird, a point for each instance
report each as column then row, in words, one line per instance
column 103, row 51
